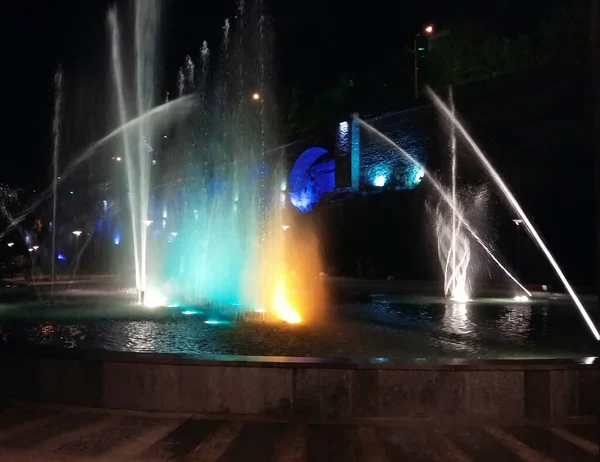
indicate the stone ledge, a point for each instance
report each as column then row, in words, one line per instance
column 307, row 362
column 304, row 389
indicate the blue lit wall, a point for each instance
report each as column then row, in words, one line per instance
column 381, row 165
column 312, row 175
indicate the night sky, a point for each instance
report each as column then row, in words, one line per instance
column 317, row 41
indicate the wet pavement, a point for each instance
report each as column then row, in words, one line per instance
column 62, row 434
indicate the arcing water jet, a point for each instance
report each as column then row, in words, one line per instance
column 515, row 205
column 446, row 197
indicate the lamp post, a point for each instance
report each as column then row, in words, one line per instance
column 76, row 233
column 427, row 30
column 518, row 222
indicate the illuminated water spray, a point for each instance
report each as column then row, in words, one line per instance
column 516, row 207
column 459, row 263
column 135, row 143
column 458, row 255
column 447, row 198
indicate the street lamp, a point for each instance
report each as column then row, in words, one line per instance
column 427, row 30
column 256, row 96
column 518, row 222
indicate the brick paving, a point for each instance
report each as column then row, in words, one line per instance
column 60, row 434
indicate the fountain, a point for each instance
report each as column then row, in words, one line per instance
column 512, row 201
column 56, row 125
column 136, row 148
column 446, row 197
column 458, row 262
column 215, row 230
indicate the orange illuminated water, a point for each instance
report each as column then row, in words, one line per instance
column 289, row 287
column 282, row 308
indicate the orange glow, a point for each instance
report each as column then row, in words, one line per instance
column 282, row 308
column 287, row 285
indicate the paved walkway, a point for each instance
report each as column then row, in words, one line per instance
column 44, row 434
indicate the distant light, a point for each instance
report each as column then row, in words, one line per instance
column 260, row 310
column 188, row 312
column 210, row 321
column 71, row 193
column 118, row 159
column 518, row 221
column 256, row 96
column 428, row 29
column 10, row 244
column 35, row 247
column 30, row 249
column 147, row 222
column 77, row 232
column 153, row 162
column 343, row 127
column 61, row 257
column 164, row 136
column 105, row 205
column 174, row 234
column 283, row 185
column 195, row 211
column 284, row 227
column 116, row 239
column 421, row 49
column 379, row 181
column 521, row 298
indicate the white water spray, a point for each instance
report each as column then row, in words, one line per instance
column 447, row 199
column 516, row 207
column 56, row 125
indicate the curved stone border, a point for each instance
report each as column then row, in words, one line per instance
column 311, row 388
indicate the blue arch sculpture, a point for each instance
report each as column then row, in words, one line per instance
column 312, row 175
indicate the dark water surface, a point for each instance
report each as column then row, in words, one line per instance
column 379, row 326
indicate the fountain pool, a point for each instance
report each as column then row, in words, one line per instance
column 372, row 322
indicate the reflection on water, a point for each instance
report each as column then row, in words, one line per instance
column 138, row 336
column 456, row 319
column 515, row 321
column 383, row 328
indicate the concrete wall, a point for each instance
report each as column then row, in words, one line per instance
column 310, row 389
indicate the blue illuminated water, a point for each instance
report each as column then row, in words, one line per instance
column 200, row 219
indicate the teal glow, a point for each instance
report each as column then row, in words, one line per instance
column 214, row 322
column 355, row 154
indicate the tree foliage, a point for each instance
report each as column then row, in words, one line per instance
column 467, row 54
